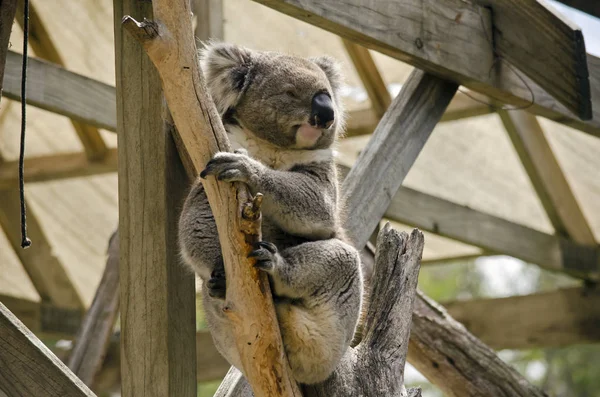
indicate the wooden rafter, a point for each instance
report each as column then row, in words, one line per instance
column 41, row 42
column 443, row 38
column 547, row 177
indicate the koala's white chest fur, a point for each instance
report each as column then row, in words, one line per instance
column 271, row 155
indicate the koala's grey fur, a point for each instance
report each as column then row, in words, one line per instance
column 263, row 98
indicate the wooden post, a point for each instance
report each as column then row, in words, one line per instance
column 8, row 9
column 157, row 293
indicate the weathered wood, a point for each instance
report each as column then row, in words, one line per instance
column 47, row 273
column 55, row 167
column 157, row 300
column 43, row 46
column 492, row 233
column 57, row 90
column 547, row 177
column 449, row 38
column 93, row 337
column 550, row 319
column 456, row 361
column 210, row 19
column 8, row 9
column 28, row 368
column 394, row 147
column 200, row 134
column 370, row 77
column 587, row 6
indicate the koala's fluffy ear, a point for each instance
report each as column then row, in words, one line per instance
column 333, row 71
column 227, row 70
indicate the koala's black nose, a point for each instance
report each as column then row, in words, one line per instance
column 322, row 113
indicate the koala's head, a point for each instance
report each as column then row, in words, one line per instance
column 288, row 101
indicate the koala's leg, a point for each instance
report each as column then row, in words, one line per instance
column 323, row 283
column 199, row 240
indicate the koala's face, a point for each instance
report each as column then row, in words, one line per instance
column 288, row 101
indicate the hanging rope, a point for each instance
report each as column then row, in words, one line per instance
column 25, row 241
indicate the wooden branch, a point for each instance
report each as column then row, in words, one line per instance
column 28, row 368
column 370, row 77
column 47, row 273
column 442, row 38
column 547, row 177
column 493, row 234
column 93, row 337
column 549, row 319
column 587, row 6
column 60, row 91
column 42, row 44
column 394, row 147
column 56, row 167
column 157, row 301
column 8, row 10
column 200, row 134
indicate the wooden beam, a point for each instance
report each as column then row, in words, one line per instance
column 209, row 24
column 41, row 43
column 60, row 91
column 550, row 319
column 394, row 147
column 369, row 75
column 364, row 121
column 547, row 177
column 8, row 9
column 587, row 6
column 45, row 270
column 157, row 294
column 55, row 167
column 493, row 234
column 93, row 338
column 29, row 368
column 448, row 38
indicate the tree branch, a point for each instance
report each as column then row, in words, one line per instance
column 169, row 42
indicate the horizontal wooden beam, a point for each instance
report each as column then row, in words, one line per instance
column 550, row 319
column 449, row 38
column 57, row 90
column 54, row 167
column 493, row 234
column 29, row 368
column 587, row 6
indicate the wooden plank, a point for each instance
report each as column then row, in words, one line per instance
column 93, row 337
column 28, row 368
column 394, row 147
column 492, row 233
column 157, row 294
column 47, row 274
column 55, row 167
column 57, row 90
column 8, row 9
column 369, row 75
column 448, row 38
column 547, row 176
column 43, row 46
column 587, row 6
column 550, row 319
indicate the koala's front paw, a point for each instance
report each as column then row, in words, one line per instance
column 267, row 256
column 216, row 284
column 234, row 167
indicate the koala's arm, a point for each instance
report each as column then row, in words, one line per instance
column 302, row 201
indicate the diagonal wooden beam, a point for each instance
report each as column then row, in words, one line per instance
column 449, row 38
column 41, row 42
column 369, row 75
column 587, row 6
column 547, row 176
column 29, row 368
column 47, row 274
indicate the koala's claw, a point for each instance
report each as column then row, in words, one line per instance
column 265, row 254
column 216, row 284
column 231, row 167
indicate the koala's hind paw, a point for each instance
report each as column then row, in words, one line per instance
column 266, row 255
column 216, row 284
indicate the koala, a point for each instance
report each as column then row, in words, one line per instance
column 282, row 115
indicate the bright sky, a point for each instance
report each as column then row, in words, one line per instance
column 589, row 25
